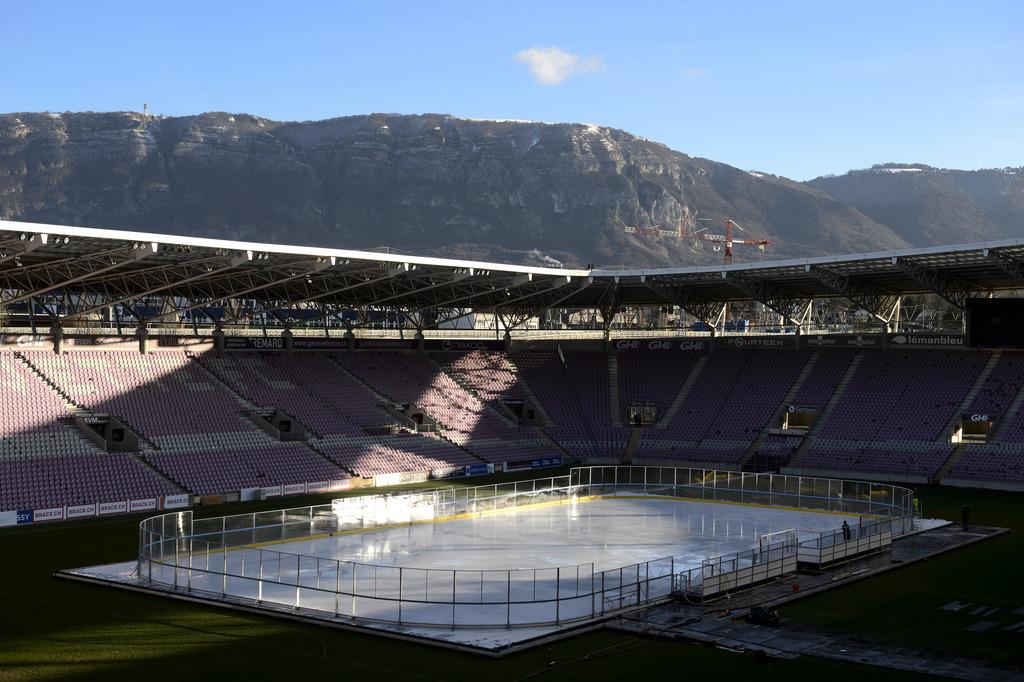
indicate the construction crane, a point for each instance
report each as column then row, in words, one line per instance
column 726, row 238
column 681, row 233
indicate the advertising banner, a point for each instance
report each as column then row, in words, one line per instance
column 385, row 344
column 142, row 505
column 463, row 345
column 272, row 491
column 656, row 345
column 400, row 477
column 174, row 340
column 759, row 342
column 25, row 516
column 52, row 514
column 318, row 343
column 318, row 487
column 926, row 340
column 26, row 340
column 448, row 472
column 8, row 518
column 253, row 343
column 176, row 501
column 479, row 469
column 386, row 479
column 343, row 484
column 113, row 507
column 294, row 489
column 412, row 476
column 853, row 341
column 80, row 511
column 99, row 340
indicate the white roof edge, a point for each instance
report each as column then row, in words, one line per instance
column 352, row 254
column 312, row 251
column 816, row 260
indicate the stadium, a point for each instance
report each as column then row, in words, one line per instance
column 510, row 461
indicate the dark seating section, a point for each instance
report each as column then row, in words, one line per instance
column 890, row 418
column 734, row 396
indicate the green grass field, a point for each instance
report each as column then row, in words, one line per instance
column 52, row 629
column 904, row 606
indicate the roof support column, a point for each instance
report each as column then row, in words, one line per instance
column 58, row 337
column 142, row 333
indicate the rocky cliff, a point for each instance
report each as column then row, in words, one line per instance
column 930, row 206
column 431, row 184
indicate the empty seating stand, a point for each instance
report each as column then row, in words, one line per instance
column 889, row 421
column 45, row 462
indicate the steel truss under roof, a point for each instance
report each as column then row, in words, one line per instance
column 76, row 272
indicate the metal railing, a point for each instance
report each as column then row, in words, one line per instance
column 228, row 557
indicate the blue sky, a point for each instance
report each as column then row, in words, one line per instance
column 795, row 88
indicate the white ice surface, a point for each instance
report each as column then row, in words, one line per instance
column 608, row 532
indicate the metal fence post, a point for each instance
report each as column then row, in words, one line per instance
column 508, row 600
column 592, row 595
column 602, row 592
column 558, row 595
column 259, row 584
column 337, row 586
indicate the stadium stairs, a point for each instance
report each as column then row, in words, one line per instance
column 684, row 391
column 249, row 404
column 826, row 411
column 613, row 390
column 388, row 399
column 1014, row 408
column 502, row 412
column 76, row 409
column 81, row 408
column 532, row 397
column 507, row 414
column 631, row 446
column 776, row 419
column 574, row 390
column 964, row 407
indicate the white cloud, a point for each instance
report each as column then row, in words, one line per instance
column 553, row 65
column 694, row 72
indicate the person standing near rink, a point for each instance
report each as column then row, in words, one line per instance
column 846, row 531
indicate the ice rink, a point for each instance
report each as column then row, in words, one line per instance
column 609, row 532
column 486, row 581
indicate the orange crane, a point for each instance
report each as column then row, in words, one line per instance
column 682, row 233
column 726, row 238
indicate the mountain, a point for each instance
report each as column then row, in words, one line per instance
column 930, row 206
column 427, row 184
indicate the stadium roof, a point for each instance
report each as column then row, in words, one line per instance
column 89, row 269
